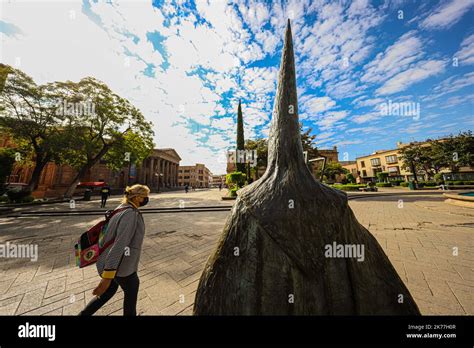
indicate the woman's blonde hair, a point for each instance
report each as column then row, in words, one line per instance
column 136, row 190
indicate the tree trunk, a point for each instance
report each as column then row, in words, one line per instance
column 80, row 174
column 36, row 175
column 272, row 257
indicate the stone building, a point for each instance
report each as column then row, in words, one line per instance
column 158, row 171
column 194, row 176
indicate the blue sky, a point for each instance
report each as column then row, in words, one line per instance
column 186, row 65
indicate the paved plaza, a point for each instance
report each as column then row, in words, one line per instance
column 429, row 242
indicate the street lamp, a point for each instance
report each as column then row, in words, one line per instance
column 323, row 158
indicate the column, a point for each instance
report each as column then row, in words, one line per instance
column 158, row 171
column 151, row 172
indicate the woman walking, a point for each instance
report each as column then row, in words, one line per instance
column 118, row 264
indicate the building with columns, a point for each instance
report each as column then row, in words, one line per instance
column 159, row 170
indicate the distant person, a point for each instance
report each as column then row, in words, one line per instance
column 220, row 187
column 104, row 194
column 186, row 188
column 118, row 263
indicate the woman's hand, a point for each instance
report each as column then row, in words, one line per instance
column 102, row 287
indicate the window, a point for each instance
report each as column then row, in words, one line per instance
column 200, row 178
column 362, row 164
column 364, row 173
column 395, row 170
column 375, row 162
column 391, row 159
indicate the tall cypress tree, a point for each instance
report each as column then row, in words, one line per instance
column 240, row 138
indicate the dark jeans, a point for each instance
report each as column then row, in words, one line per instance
column 103, row 201
column 129, row 286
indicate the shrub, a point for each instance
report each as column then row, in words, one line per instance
column 396, row 182
column 349, row 187
column 4, row 199
column 17, row 195
column 233, row 192
column 438, row 178
column 27, row 199
column 383, row 184
column 404, row 184
column 430, row 183
column 468, row 182
column 458, row 182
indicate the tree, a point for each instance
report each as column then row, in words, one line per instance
column 275, row 256
column 382, row 176
column 240, row 138
column 350, row 178
column 7, row 159
column 454, row 152
column 410, row 156
column 307, row 141
column 262, row 152
column 28, row 113
column 332, row 170
column 115, row 128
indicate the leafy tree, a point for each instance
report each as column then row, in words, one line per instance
column 307, row 141
column 261, row 146
column 350, row 178
column 7, row 160
column 454, row 152
column 333, row 169
column 28, row 113
column 382, row 176
column 115, row 126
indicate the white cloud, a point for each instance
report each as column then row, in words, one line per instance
column 447, row 14
column 465, row 54
column 407, row 78
column 316, row 105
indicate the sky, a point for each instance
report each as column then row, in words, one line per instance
column 185, row 65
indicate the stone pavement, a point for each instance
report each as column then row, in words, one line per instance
column 418, row 234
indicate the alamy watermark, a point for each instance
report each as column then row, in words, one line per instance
column 243, row 156
column 22, row 251
column 405, row 109
column 335, row 250
column 66, row 108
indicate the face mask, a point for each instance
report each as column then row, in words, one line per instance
column 144, row 202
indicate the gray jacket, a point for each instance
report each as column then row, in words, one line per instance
column 123, row 256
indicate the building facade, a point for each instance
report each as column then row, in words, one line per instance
column 217, row 180
column 158, row 171
column 194, row 176
column 389, row 161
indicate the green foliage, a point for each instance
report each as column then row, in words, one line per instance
column 233, row 192
column 350, row 178
column 235, row 180
column 383, row 184
column 458, row 182
column 240, row 137
column 333, row 169
column 451, row 152
column 404, row 184
column 349, row 187
column 438, row 177
column 382, row 176
column 7, row 159
column 396, row 182
column 429, row 183
column 18, row 195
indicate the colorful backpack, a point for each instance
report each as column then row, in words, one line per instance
column 91, row 243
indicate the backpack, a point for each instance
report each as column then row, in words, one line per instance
column 91, row 243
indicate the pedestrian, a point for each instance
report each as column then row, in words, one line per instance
column 118, row 264
column 220, row 187
column 104, row 194
column 186, row 188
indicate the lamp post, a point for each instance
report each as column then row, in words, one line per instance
column 323, row 158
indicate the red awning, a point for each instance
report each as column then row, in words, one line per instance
column 92, row 184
